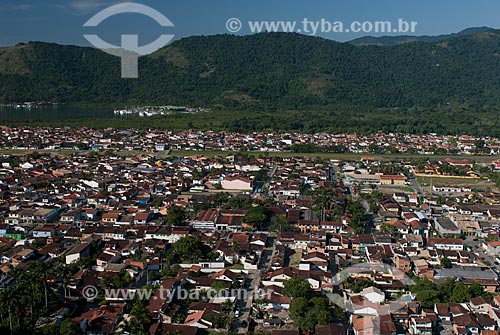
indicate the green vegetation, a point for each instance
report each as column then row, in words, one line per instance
column 402, row 39
column 176, row 216
column 358, row 216
column 69, row 328
column 342, row 119
column 297, row 288
column 306, row 314
column 256, row 216
column 446, row 263
column 494, row 177
column 279, row 81
column 121, row 280
column 140, row 320
column 279, row 224
column 460, row 293
column 429, row 293
column 387, row 228
column 29, row 299
column 306, row 310
column 190, row 249
column 360, row 284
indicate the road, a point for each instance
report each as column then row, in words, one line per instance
column 272, row 171
column 416, row 186
column 369, row 216
column 251, row 285
column 332, row 173
column 476, row 248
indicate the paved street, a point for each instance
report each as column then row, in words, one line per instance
column 416, row 186
column 476, row 248
column 251, row 284
column 369, row 223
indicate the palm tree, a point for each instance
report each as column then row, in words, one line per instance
column 64, row 273
column 140, row 320
column 324, row 201
column 40, row 270
column 8, row 299
column 15, row 273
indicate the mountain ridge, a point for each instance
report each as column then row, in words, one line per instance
column 266, row 71
column 402, row 39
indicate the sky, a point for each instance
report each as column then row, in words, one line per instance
column 61, row 21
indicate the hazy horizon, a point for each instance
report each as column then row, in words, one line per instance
column 61, row 22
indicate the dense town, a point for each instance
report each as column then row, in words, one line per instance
column 125, row 232
column 45, row 138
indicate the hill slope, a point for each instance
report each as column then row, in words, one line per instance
column 402, row 39
column 265, row 71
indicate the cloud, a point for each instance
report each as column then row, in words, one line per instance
column 87, row 6
column 20, row 7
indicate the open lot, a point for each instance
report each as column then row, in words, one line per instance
column 213, row 153
column 473, row 183
column 392, row 189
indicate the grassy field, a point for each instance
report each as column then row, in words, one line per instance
column 450, row 181
column 213, row 153
column 475, row 183
column 392, row 189
column 329, row 155
column 23, row 152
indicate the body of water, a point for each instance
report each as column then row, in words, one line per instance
column 60, row 112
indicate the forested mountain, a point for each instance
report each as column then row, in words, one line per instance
column 402, row 39
column 265, row 71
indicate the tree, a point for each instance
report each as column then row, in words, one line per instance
column 297, row 288
column 139, row 319
column 476, row 289
column 422, row 284
column 64, row 272
column 176, row 216
column 361, row 284
column 446, row 289
column 255, row 216
column 309, row 322
column 8, row 301
column 190, row 249
column 217, row 286
column 39, row 270
column 278, row 224
column 69, row 328
column 428, row 298
column 227, row 306
column 460, row 293
column 218, row 320
column 387, row 228
column 446, row 263
column 298, row 310
column 306, row 314
column 440, row 200
column 358, row 216
column 320, row 309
